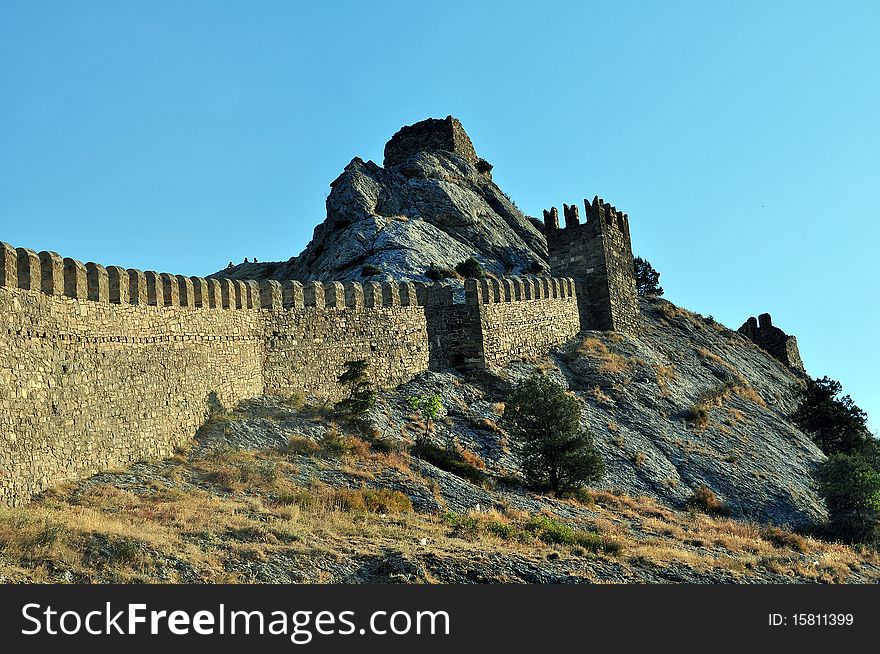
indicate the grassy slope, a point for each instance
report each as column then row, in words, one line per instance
column 330, row 515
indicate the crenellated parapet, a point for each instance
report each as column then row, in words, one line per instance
column 49, row 273
column 490, row 290
column 598, row 214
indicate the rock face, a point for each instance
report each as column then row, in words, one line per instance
column 637, row 393
column 434, row 203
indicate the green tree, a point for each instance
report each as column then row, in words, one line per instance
column 429, row 408
column 556, row 454
column 850, row 486
column 360, row 396
column 647, row 279
column 833, row 421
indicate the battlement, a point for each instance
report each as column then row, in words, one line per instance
column 517, row 289
column 598, row 213
column 49, row 273
column 780, row 345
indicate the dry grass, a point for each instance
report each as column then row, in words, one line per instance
column 699, row 414
column 610, row 363
column 665, row 375
column 601, row 397
column 670, row 312
column 252, row 506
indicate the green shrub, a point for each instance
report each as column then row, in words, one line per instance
column 449, row 459
column 832, row 420
column 429, row 408
column 370, row 270
column 850, row 486
column 647, row 279
column 553, row 532
column 470, row 267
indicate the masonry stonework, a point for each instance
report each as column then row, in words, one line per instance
column 100, row 367
column 429, row 135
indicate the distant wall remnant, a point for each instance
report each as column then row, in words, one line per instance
column 598, row 255
column 772, row 339
column 431, row 134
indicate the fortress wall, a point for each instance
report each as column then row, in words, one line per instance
column 306, row 346
column 88, row 385
column 100, row 367
column 545, row 316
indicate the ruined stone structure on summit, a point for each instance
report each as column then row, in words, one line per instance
column 598, row 255
column 430, row 135
column 780, row 345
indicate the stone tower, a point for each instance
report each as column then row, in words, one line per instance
column 598, row 255
column 429, row 135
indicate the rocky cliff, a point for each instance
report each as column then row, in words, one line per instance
column 433, row 203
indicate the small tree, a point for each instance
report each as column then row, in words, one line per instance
column 361, row 397
column 647, row 279
column 470, row 267
column 833, row 421
column 556, row 454
column 851, row 489
column 429, row 408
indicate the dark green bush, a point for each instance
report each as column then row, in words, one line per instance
column 556, row 454
column 470, row 267
column 361, row 396
column 647, row 279
column 850, row 486
column 435, row 274
column 450, row 460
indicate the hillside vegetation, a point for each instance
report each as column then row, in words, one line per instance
column 706, row 480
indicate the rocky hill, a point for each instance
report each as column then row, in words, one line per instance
column 433, row 203
column 281, row 491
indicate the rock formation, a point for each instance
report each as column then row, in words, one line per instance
column 433, row 203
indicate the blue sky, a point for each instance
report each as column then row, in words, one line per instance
column 742, row 138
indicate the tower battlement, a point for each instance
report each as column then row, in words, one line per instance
column 597, row 253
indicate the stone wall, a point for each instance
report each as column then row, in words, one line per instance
column 780, row 345
column 86, row 386
column 100, row 367
column 522, row 317
column 307, row 346
column 598, row 255
column 431, row 134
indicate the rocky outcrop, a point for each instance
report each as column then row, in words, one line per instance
column 433, row 204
